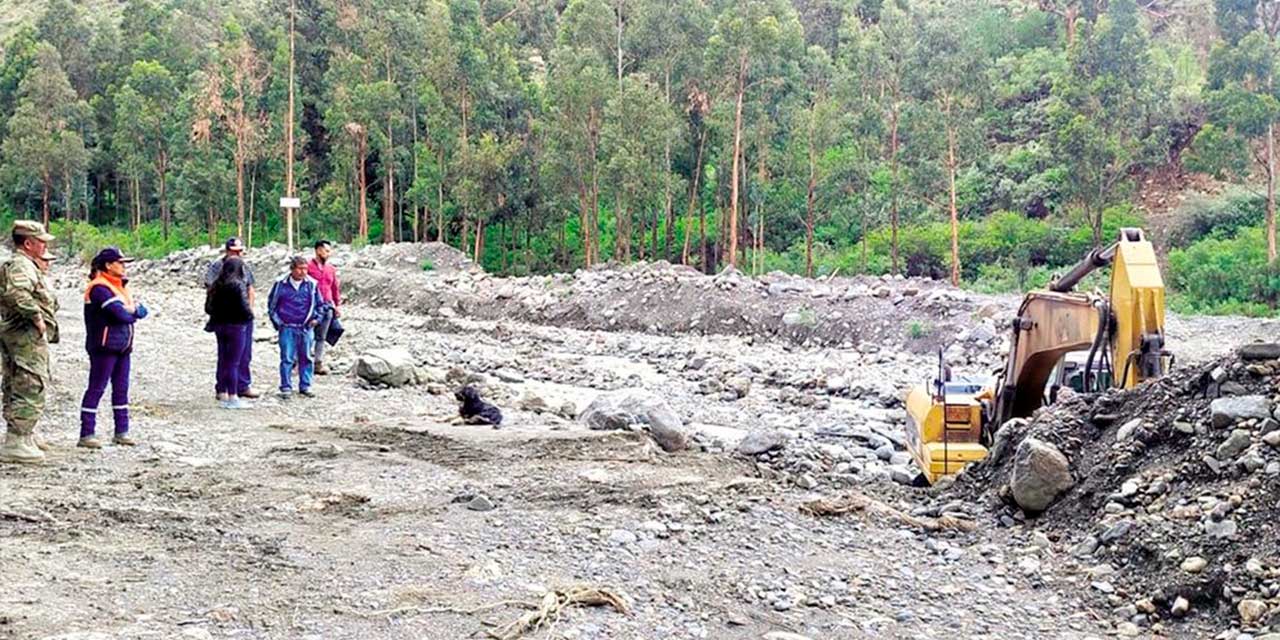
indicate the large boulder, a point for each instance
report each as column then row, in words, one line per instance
column 623, row 410
column 1040, row 474
column 1260, row 351
column 1226, row 411
column 392, row 367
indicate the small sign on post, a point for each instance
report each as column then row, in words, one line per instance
column 289, row 205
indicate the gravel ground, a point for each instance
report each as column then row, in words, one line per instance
column 363, row 513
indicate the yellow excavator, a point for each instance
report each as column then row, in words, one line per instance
column 1060, row 338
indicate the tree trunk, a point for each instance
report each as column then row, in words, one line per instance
column 951, row 181
column 239, row 191
column 440, row 234
column 809, row 205
column 669, row 208
column 362, row 184
column 737, row 160
column 863, row 224
column 136, row 214
column 162, row 174
column 1271, row 196
column 46, row 185
column 693, row 197
column 253, row 188
column 288, row 130
column 389, row 196
column 479, row 240
column 893, row 187
column 212, row 225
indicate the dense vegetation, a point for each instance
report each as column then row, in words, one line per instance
column 964, row 139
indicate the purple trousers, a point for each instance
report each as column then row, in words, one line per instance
column 232, row 339
column 106, row 368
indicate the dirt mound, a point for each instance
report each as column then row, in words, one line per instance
column 271, row 261
column 1175, row 508
column 894, row 313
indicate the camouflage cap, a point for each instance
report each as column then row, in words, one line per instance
column 31, row 229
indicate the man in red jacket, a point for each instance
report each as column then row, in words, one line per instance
column 326, row 277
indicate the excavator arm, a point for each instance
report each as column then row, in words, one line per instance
column 1124, row 331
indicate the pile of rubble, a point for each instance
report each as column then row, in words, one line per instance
column 188, row 266
column 655, row 297
column 1167, row 495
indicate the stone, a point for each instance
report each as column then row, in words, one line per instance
column 480, row 503
column 903, row 475
column 623, row 410
column 1251, row 611
column 1194, row 564
column 739, row 385
column 837, row 385
column 392, row 367
column 1126, row 430
column 783, row 635
column 622, row 537
column 1128, row 630
column 1116, row 532
column 1085, row 547
column 1183, row 426
column 1226, row 411
column 1180, row 607
column 533, row 403
column 1259, row 351
column 1234, row 445
column 1272, row 439
column 508, row 376
column 758, row 442
column 1221, row 528
column 1040, row 474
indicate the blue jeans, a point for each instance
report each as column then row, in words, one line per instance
column 295, row 348
column 246, row 359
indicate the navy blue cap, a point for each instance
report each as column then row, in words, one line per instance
column 109, row 255
column 234, row 244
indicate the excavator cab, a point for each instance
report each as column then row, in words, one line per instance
column 1060, row 338
column 1071, row 374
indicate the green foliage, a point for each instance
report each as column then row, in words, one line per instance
column 1218, row 216
column 917, row 329
column 427, row 265
column 1225, row 275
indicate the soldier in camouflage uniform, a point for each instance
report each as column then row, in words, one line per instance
column 27, row 328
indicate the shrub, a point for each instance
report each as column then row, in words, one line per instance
column 1217, row 216
column 1225, row 275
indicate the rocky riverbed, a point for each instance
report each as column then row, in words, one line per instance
column 366, row 513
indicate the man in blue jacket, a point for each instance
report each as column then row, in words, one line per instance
column 294, row 305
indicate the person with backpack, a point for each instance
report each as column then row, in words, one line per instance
column 294, row 306
column 109, row 315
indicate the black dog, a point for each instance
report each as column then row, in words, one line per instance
column 475, row 410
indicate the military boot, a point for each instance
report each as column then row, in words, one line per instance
column 21, row 449
column 41, row 443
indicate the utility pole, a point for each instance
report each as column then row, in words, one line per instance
column 288, row 136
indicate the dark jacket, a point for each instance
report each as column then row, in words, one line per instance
column 291, row 306
column 228, row 304
column 108, row 322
